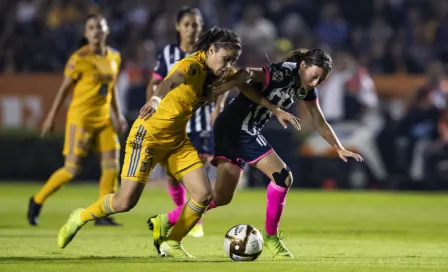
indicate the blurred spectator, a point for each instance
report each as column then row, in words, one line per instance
column 256, row 31
column 332, row 28
column 419, row 127
column 386, row 35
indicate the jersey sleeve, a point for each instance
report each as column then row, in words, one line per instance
column 189, row 67
column 277, row 75
column 311, row 95
column 160, row 70
column 72, row 68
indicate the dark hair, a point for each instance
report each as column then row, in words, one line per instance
column 186, row 11
column 315, row 56
column 220, row 37
column 83, row 41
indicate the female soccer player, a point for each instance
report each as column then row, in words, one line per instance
column 159, row 136
column 189, row 25
column 238, row 137
column 91, row 72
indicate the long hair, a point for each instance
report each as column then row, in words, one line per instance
column 315, row 56
column 220, row 37
column 83, row 41
column 186, row 11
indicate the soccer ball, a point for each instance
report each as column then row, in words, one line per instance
column 243, row 243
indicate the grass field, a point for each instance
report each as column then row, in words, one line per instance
column 327, row 231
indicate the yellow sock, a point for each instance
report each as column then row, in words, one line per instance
column 101, row 208
column 109, row 177
column 189, row 216
column 56, row 180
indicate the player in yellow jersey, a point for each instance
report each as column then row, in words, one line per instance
column 189, row 25
column 159, row 136
column 91, row 73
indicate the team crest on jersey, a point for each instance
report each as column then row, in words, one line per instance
column 193, row 69
column 302, row 93
column 277, row 76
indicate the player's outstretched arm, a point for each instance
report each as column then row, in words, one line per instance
column 116, row 107
column 151, row 87
column 258, row 98
column 242, row 76
column 169, row 83
column 61, row 95
column 326, row 131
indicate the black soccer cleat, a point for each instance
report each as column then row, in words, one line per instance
column 151, row 228
column 107, row 221
column 150, row 224
column 33, row 212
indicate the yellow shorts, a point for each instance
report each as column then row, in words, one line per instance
column 79, row 139
column 143, row 152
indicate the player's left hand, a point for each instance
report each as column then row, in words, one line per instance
column 146, row 111
column 284, row 117
column 122, row 124
column 343, row 154
column 149, row 108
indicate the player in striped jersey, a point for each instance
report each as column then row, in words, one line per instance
column 189, row 25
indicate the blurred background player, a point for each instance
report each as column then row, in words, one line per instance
column 91, row 72
column 189, row 25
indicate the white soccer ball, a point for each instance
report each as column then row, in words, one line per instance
column 243, row 243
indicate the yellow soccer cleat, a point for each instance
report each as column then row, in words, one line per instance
column 275, row 244
column 197, row 231
column 69, row 229
column 174, row 249
column 160, row 229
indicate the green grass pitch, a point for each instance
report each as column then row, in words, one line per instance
column 326, row 231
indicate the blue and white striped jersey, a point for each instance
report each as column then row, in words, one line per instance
column 166, row 58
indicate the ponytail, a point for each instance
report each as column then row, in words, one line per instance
column 296, row 55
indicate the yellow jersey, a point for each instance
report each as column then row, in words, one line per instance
column 94, row 78
column 176, row 108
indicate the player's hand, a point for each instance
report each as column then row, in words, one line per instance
column 47, row 126
column 284, row 117
column 149, row 108
column 122, row 124
column 146, row 111
column 221, row 87
column 343, row 154
column 227, row 83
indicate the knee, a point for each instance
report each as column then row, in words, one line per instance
column 123, row 204
column 222, row 200
column 204, row 198
column 283, row 178
column 72, row 169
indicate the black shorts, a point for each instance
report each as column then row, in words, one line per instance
column 203, row 142
column 239, row 147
